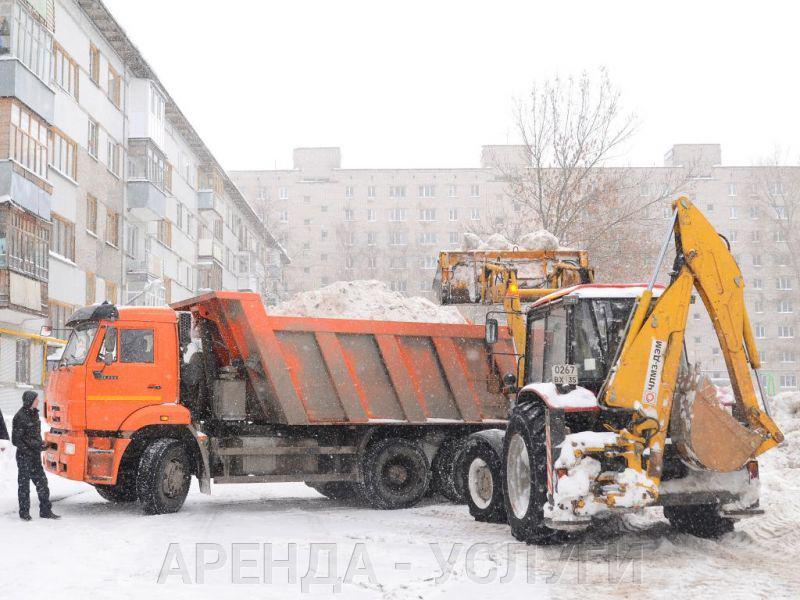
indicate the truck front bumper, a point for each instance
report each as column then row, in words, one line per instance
column 75, row 455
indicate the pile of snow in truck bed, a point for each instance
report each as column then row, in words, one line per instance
column 365, row 299
column 535, row 240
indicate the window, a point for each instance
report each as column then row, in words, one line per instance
column 348, row 262
column 58, row 314
column 734, row 212
column 283, row 193
column 113, row 161
column 112, row 227
column 398, row 238
column 350, row 238
column 92, row 143
column 91, row 288
column 114, row 86
column 709, row 208
column 24, row 241
column 397, row 191
column 62, row 237
column 427, row 214
column 731, row 190
column 348, row 191
column 370, row 214
column 759, row 331
column 372, row 238
column 775, row 188
column 397, row 214
column 454, row 237
column 28, row 140
column 778, row 235
column 63, row 154
column 307, row 222
column 370, row 191
column 349, row 214
column 755, row 235
column 307, row 199
column 164, row 234
column 323, row 234
column 788, row 381
column 398, row 262
column 217, row 229
column 757, row 260
column 555, row 347
column 758, row 284
column 94, row 63
column 283, row 216
column 474, row 190
column 733, row 236
column 452, row 214
column 758, row 306
column 754, row 212
column 65, row 71
column 785, row 331
column 785, row 306
column 428, row 262
column 427, row 238
column 91, row 214
column 475, row 214
column 427, row 191
column 451, row 191
column 23, row 371
column 398, row 286
column 787, row 356
column 32, row 42
column 111, row 291
column 323, row 208
column 784, row 283
column 136, row 345
column 780, row 212
column 372, row 262
column 146, row 161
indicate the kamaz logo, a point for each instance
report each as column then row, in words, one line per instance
column 653, row 376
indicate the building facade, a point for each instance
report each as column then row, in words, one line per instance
column 106, row 190
column 390, row 224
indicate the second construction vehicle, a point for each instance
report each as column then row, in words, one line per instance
column 610, row 416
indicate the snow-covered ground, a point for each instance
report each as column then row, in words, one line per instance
column 100, row 550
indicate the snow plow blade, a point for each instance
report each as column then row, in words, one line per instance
column 707, row 435
column 467, row 277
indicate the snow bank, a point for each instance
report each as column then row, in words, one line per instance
column 371, row 300
column 540, row 240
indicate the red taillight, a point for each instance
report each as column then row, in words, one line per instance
column 752, row 469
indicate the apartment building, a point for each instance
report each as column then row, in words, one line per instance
column 389, row 224
column 107, row 192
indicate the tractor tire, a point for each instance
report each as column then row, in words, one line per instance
column 121, row 492
column 163, row 477
column 482, row 469
column 395, row 474
column 525, row 475
column 446, row 477
column 701, row 520
column 337, row 490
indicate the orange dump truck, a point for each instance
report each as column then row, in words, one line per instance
column 145, row 397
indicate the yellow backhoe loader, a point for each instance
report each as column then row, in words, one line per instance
column 609, row 416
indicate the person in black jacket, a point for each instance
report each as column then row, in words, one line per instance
column 3, row 430
column 26, row 435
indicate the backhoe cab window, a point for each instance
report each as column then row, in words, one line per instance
column 555, row 341
column 136, row 345
column 78, row 345
column 599, row 326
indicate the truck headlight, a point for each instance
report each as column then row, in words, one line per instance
column 69, row 448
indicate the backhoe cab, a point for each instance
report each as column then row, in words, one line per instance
column 611, row 416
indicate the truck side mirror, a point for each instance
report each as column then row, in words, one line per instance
column 491, row 331
column 109, row 346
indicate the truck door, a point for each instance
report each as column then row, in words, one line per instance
column 130, row 370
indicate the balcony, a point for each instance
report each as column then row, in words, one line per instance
column 146, row 202
column 21, row 297
column 208, row 248
column 17, row 81
column 150, row 265
column 208, row 200
column 25, row 189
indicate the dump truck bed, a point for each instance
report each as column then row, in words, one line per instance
column 305, row 371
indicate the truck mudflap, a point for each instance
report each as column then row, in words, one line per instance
column 204, row 467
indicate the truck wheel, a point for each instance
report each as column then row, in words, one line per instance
column 395, row 473
column 482, row 469
column 446, row 477
column 163, row 478
column 122, row 491
column 525, row 474
column 702, row 520
column 336, row 490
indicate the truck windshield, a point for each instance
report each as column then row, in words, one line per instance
column 599, row 327
column 78, row 345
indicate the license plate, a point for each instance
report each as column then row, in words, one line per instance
column 565, row 375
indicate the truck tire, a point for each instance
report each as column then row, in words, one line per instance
column 700, row 520
column 395, row 473
column 336, row 490
column 446, row 478
column 122, row 491
column 163, row 477
column 525, row 474
column 482, row 468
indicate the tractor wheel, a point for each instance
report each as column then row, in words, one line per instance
column 163, row 478
column 395, row 473
column 525, row 474
column 482, row 469
column 701, row 520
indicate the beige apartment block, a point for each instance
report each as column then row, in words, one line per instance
column 389, row 224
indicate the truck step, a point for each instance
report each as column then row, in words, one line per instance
column 298, row 477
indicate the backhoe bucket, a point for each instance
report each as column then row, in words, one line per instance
column 705, row 433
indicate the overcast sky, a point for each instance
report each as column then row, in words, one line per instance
column 426, row 83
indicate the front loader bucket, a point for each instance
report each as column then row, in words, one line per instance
column 706, row 435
